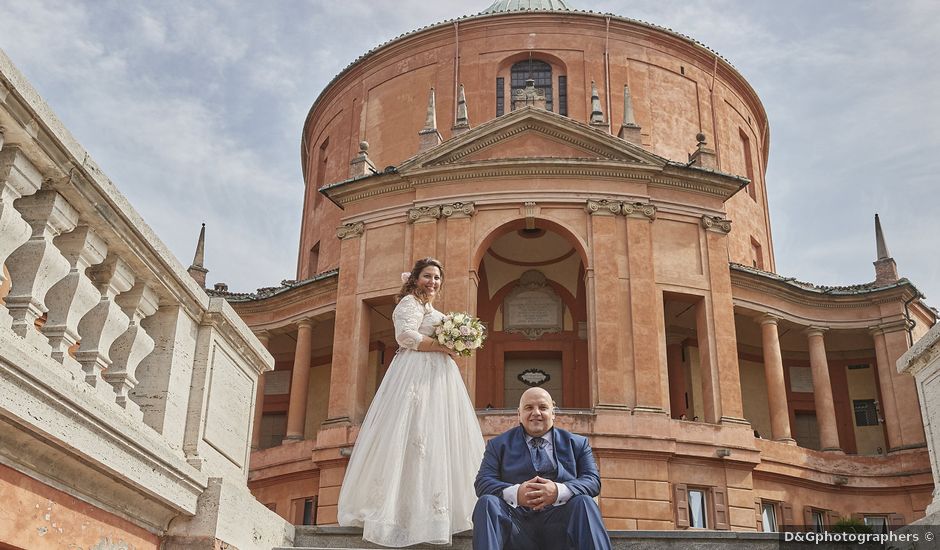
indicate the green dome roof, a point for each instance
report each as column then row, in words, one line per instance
column 501, row 6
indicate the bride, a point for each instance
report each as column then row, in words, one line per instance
column 410, row 477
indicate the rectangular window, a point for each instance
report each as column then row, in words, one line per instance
column 819, row 521
column 878, row 524
column 500, row 99
column 768, row 514
column 310, row 511
column 866, row 413
column 748, row 163
column 697, row 509
column 563, row 95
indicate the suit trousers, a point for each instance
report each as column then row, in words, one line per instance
column 576, row 525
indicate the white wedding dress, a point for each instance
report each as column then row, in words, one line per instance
column 411, row 473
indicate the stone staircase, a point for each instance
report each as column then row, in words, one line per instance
column 321, row 538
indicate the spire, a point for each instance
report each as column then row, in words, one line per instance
column 463, row 119
column 886, row 270
column 429, row 136
column 597, row 115
column 197, row 271
column 629, row 129
column 883, row 253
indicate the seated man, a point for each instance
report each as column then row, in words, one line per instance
column 536, row 486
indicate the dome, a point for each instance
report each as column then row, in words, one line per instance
column 501, row 6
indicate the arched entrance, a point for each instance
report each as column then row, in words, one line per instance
column 532, row 297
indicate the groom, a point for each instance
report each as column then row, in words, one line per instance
column 535, row 486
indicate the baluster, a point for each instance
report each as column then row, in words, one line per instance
column 38, row 264
column 18, row 178
column 74, row 296
column 101, row 326
column 131, row 347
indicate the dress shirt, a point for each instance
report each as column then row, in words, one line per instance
column 510, row 494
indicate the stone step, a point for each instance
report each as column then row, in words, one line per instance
column 322, row 538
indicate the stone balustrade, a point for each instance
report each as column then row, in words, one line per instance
column 121, row 381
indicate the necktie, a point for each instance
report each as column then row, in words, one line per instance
column 539, row 457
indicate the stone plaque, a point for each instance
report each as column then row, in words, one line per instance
column 228, row 407
column 533, row 308
column 801, row 379
column 277, row 382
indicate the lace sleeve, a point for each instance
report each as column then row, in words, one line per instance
column 407, row 317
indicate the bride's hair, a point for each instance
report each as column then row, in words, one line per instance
column 410, row 285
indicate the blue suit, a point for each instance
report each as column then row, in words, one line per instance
column 576, row 524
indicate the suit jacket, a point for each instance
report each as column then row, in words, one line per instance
column 507, row 461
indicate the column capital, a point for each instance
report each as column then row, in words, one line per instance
column 306, row 322
column 458, row 210
column 889, row 326
column 767, row 319
column 716, row 224
column 350, row 230
column 814, row 330
column 603, row 207
column 424, row 214
column 639, row 210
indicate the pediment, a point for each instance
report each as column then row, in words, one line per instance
column 532, row 133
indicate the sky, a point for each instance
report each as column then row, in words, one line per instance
column 195, row 111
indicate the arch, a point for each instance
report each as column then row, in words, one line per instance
column 544, row 223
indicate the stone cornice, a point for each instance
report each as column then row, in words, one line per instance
column 924, row 352
column 791, row 291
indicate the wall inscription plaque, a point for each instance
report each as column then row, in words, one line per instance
column 533, row 308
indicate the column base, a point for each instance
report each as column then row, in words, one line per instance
column 649, row 410
column 833, row 450
column 734, row 420
column 293, row 438
column 786, row 441
column 611, row 407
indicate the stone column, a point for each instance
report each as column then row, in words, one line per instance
column 677, row 383
column 612, row 374
column 776, row 387
column 264, row 337
column 646, row 311
column 822, row 391
column 299, row 381
column 723, row 336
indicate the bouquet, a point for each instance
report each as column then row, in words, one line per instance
column 461, row 333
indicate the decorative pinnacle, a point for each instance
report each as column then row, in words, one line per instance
column 463, row 119
column 880, row 244
column 200, row 256
column 597, row 115
column 430, row 122
column 628, row 117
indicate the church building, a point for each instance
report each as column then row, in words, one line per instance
column 595, row 188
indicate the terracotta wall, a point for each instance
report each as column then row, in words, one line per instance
column 34, row 515
column 677, row 91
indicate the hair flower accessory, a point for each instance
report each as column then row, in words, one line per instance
column 405, row 276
